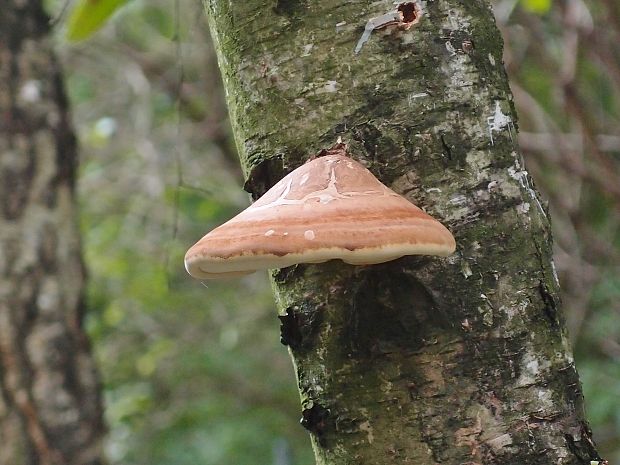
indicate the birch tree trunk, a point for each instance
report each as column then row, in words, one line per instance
column 462, row 360
column 50, row 408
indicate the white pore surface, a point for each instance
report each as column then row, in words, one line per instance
column 214, row 268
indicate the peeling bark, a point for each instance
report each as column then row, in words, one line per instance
column 457, row 361
column 50, row 409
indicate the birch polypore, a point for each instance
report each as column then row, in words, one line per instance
column 329, row 208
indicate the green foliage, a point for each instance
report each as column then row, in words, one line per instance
column 599, row 353
column 537, row 6
column 160, row 20
column 184, row 364
column 80, row 88
column 88, row 16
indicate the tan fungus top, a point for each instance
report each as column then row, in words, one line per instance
column 329, row 208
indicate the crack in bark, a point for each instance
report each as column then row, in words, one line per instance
column 263, row 176
column 316, row 419
column 550, row 306
column 446, row 147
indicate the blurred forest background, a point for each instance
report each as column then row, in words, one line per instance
column 195, row 374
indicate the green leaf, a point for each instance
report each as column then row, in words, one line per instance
column 537, row 6
column 90, row 15
column 161, row 20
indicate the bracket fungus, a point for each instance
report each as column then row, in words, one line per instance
column 332, row 207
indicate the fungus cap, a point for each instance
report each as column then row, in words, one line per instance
column 332, row 207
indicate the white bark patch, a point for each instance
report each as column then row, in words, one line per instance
column 411, row 98
column 500, row 442
column 456, row 20
column 330, row 86
column 515, row 310
column 478, row 163
column 545, row 396
column 523, row 208
column 522, row 176
column 458, row 199
column 465, row 269
column 555, row 272
column 451, row 50
column 531, row 368
column 458, row 207
column 482, row 195
column 499, row 121
column 307, row 49
column 322, row 87
column 462, row 78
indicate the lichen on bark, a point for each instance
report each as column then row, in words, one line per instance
column 420, row 360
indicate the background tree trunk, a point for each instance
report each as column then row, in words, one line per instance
column 50, row 407
column 461, row 360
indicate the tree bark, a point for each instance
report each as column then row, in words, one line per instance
column 50, row 406
column 422, row 360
